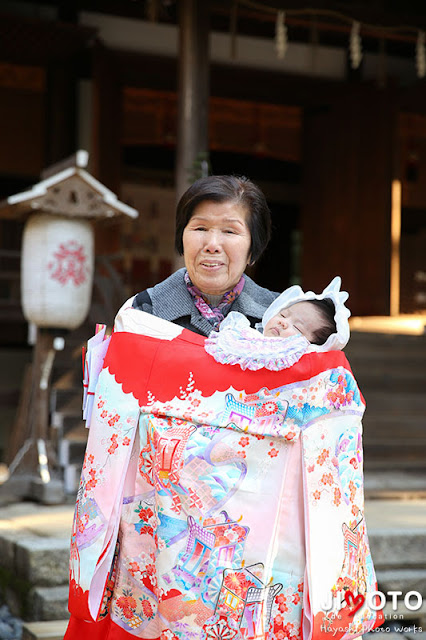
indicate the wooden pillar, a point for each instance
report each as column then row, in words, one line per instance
column 42, row 367
column 193, row 87
column 32, row 421
column 106, row 157
column 61, row 129
column 107, row 118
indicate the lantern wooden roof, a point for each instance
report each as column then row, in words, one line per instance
column 67, row 190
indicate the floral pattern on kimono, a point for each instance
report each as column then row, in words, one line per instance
column 219, row 503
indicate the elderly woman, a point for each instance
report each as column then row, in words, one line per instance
column 219, row 501
column 223, row 224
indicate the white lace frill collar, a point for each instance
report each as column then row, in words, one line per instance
column 237, row 343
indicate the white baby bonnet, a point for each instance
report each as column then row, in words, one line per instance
column 336, row 341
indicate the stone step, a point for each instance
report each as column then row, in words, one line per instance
column 360, row 339
column 402, row 484
column 48, row 603
column 35, row 560
column 400, row 454
column 405, row 619
column 401, row 403
column 43, row 561
column 390, row 426
column 391, row 442
column 404, row 549
column 50, row 630
column 382, row 350
column 389, row 362
column 404, row 580
column 408, row 631
column 399, row 464
column 36, row 586
column 393, row 382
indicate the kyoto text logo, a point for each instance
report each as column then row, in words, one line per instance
column 334, row 608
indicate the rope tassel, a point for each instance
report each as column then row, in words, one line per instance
column 421, row 55
column 355, row 47
column 281, row 41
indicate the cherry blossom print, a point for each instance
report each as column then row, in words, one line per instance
column 114, row 444
column 323, row 456
column 327, row 479
column 92, row 481
column 134, row 568
column 113, row 419
column 352, row 490
column 343, row 392
column 281, row 602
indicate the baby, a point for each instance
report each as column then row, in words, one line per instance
column 313, row 319
column 294, row 324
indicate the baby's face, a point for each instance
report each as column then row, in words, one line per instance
column 302, row 318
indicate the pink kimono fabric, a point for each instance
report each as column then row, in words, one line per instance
column 217, row 503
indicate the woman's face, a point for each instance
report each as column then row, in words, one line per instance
column 216, row 245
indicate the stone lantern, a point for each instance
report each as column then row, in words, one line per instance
column 57, row 266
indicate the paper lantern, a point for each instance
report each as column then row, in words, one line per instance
column 56, row 271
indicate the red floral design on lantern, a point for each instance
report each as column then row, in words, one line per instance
column 69, row 263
